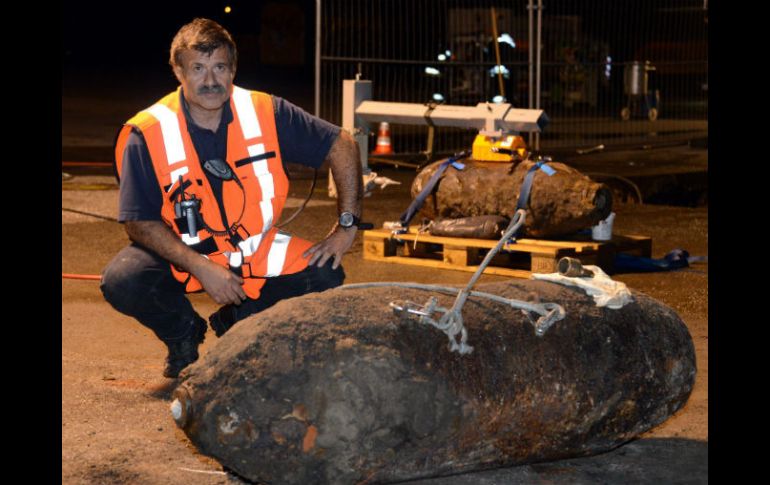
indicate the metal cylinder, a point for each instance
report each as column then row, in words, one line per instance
column 635, row 78
column 572, row 267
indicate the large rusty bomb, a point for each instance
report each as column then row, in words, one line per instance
column 334, row 387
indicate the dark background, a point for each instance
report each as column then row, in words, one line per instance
column 107, row 50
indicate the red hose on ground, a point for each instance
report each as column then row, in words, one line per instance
column 81, row 276
column 73, row 276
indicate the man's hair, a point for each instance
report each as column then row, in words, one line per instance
column 205, row 36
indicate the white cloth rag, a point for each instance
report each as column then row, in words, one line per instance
column 604, row 290
column 370, row 181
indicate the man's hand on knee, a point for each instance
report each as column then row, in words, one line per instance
column 335, row 245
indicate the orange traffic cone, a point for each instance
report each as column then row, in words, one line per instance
column 383, row 140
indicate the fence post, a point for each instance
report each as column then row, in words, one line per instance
column 317, row 57
column 530, row 64
column 538, row 64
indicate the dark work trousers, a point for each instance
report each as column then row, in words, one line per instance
column 138, row 283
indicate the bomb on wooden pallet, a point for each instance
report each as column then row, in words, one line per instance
column 333, row 387
column 559, row 204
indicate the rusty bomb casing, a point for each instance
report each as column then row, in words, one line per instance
column 333, row 387
column 560, row 204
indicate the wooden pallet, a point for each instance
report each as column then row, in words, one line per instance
column 520, row 259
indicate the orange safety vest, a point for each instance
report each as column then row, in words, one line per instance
column 255, row 249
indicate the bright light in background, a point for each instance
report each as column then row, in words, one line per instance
column 448, row 53
column 497, row 69
column 438, row 97
column 507, row 39
column 498, row 99
column 228, row 9
column 442, row 57
column 608, row 67
column 432, row 71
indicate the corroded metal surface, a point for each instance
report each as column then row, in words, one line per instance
column 561, row 204
column 334, row 388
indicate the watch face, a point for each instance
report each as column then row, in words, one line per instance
column 346, row 219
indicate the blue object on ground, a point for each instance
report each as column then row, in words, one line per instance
column 676, row 259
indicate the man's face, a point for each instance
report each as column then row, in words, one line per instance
column 206, row 79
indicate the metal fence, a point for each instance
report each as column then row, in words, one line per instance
column 608, row 71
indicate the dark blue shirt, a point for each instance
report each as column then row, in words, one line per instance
column 303, row 139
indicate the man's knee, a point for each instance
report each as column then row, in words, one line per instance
column 327, row 278
column 118, row 279
column 128, row 277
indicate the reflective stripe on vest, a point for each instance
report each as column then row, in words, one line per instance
column 265, row 179
column 172, row 134
column 250, row 245
column 277, row 255
column 246, row 114
column 251, row 129
column 234, row 259
column 247, row 248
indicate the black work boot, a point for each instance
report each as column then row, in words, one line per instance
column 222, row 320
column 184, row 352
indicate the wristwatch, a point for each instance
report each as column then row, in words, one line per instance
column 347, row 219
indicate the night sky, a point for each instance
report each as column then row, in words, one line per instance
column 103, row 51
column 94, row 34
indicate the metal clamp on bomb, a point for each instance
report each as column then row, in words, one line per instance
column 406, row 308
